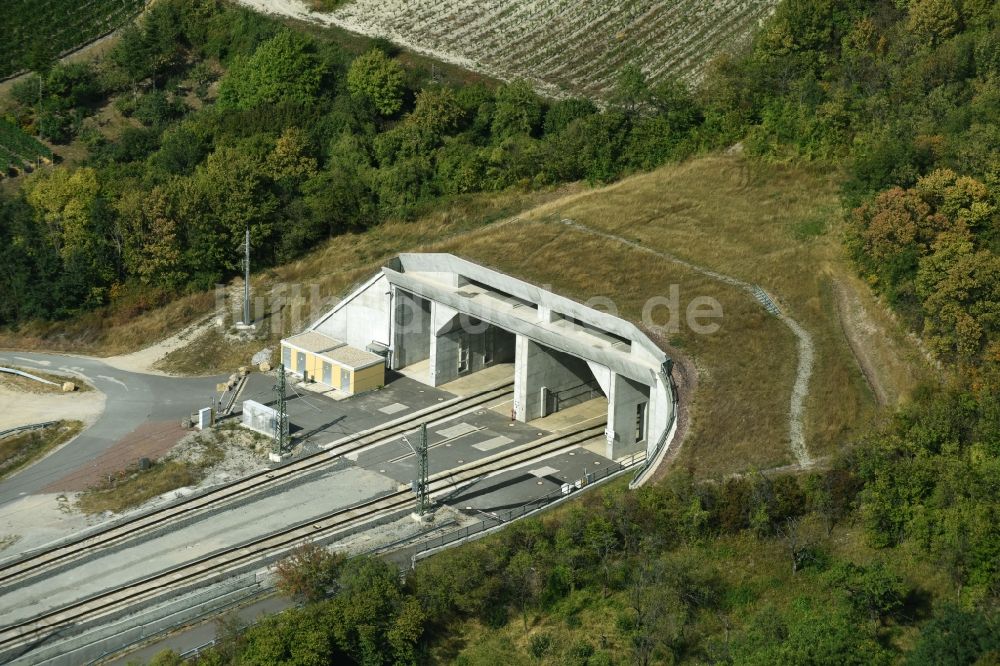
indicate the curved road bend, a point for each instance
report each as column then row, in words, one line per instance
column 132, row 400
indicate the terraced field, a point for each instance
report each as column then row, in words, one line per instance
column 55, row 27
column 563, row 46
column 18, row 151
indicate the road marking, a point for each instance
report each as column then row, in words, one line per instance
column 394, row 408
column 112, row 379
column 31, row 360
column 543, row 471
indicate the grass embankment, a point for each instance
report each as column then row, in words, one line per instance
column 764, row 224
column 777, row 226
column 22, row 449
column 133, row 487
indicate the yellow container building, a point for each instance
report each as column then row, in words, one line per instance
column 320, row 358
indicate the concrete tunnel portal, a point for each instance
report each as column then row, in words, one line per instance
column 440, row 318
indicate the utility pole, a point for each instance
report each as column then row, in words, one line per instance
column 423, row 501
column 420, row 486
column 246, row 279
column 281, row 419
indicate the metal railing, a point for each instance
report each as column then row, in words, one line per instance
column 30, row 426
column 575, row 395
column 661, row 443
column 498, row 518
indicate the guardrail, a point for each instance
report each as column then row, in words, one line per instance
column 30, row 426
column 28, row 375
column 653, row 459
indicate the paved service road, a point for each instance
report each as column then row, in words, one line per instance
column 132, row 399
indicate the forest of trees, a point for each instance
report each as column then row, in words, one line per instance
column 302, row 141
column 241, row 121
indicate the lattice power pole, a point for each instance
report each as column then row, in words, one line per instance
column 281, row 420
column 423, row 501
column 420, row 486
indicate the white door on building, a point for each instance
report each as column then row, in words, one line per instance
column 463, row 354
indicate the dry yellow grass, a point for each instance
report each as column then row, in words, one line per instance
column 25, row 385
column 20, row 450
column 776, row 226
column 770, row 225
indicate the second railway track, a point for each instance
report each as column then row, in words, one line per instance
column 38, row 563
column 24, row 634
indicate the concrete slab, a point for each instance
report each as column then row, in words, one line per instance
column 575, row 416
column 480, row 381
column 493, row 443
column 457, row 430
column 320, row 420
column 419, row 371
column 513, row 488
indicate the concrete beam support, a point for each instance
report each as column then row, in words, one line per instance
column 546, row 380
column 628, row 417
column 411, row 329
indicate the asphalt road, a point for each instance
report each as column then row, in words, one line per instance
column 132, row 399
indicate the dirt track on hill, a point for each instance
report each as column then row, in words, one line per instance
column 806, row 351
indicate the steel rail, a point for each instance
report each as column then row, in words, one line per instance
column 261, row 481
column 95, row 606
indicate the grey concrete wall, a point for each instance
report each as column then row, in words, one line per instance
column 459, row 331
column 411, row 329
column 642, row 362
column 361, row 318
column 537, row 367
column 626, row 396
column 548, row 302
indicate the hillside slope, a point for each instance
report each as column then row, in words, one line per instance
column 767, row 225
column 562, row 46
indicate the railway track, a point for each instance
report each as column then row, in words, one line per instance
column 38, row 563
column 19, row 638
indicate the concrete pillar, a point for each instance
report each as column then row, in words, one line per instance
column 626, row 400
column 660, row 410
column 444, row 343
column 542, row 375
column 411, row 328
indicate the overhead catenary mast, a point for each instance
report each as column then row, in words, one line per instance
column 281, row 416
column 246, row 279
column 420, row 486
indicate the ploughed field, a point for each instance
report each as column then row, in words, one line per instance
column 566, row 47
